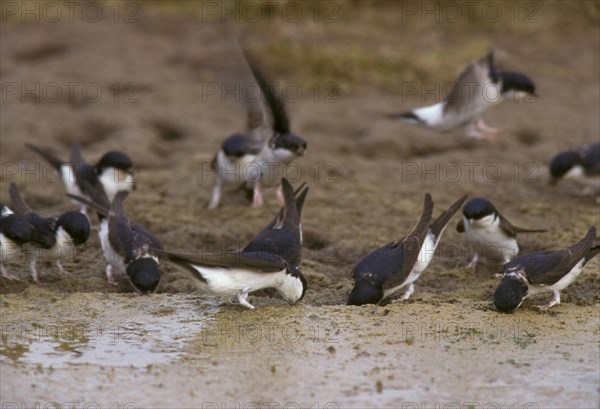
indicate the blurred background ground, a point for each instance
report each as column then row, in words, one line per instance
column 163, row 82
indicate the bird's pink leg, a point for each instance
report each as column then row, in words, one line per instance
column 554, row 301
column 487, row 129
column 215, row 197
column 280, row 197
column 6, row 274
column 257, row 200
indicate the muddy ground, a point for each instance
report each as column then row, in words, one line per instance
column 161, row 72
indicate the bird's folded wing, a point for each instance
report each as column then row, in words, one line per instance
column 440, row 223
column 93, row 205
column 547, row 268
column 17, row 204
column 256, row 261
column 512, row 230
column 48, row 156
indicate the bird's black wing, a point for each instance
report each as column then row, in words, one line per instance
column 380, row 265
column 255, row 261
column 120, row 234
column 48, row 156
column 467, row 90
column 238, row 145
column 548, row 267
column 43, row 232
column 591, row 159
column 440, row 223
column 15, row 228
column 17, row 204
column 282, row 235
column 98, row 208
column 87, row 179
column 512, row 230
column 409, row 246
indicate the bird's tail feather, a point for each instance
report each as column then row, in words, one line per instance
column 440, row 223
column 592, row 252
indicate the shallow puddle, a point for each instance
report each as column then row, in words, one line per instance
column 149, row 335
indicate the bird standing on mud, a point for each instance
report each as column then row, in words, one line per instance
column 270, row 260
column 256, row 159
column 15, row 232
column 127, row 246
column 52, row 238
column 581, row 164
column 114, row 172
column 400, row 263
column 480, row 87
column 543, row 271
column 487, row 230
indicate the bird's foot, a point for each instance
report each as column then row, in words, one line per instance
column 34, row 273
column 409, row 291
column 554, row 301
column 109, row 275
column 61, row 269
column 8, row 275
column 257, row 200
column 482, row 136
column 243, row 298
column 280, row 197
column 215, row 198
column 473, row 263
column 487, row 129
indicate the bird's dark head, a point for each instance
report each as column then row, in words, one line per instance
column 365, row 293
column 563, row 163
column 76, row 225
column 117, row 160
column 15, row 228
column 293, row 290
column 290, row 142
column 510, row 293
column 516, row 82
column 478, row 208
column 144, row 275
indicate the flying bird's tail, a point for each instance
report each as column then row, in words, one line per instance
column 48, row 157
column 281, row 122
